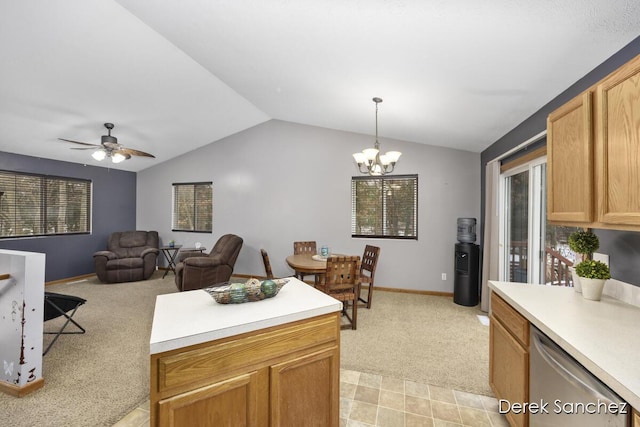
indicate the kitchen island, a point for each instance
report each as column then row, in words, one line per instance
column 604, row 336
column 274, row 362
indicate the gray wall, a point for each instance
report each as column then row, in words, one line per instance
column 279, row 182
column 622, row 247
column 114, row 201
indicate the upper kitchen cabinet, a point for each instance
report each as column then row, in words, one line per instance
column 617, row 155
column 593, row 155
column 570, row 161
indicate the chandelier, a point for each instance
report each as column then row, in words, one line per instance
column 370, row 161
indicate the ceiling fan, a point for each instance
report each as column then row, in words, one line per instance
column 109, row 147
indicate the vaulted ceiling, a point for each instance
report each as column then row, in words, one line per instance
column 176, row 75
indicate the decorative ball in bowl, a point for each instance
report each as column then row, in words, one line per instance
column 251, row 291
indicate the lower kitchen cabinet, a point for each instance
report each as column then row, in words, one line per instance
column 233, row 402
column 281, row 376
column 509, row 358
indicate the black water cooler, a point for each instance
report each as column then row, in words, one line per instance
column 467, row 264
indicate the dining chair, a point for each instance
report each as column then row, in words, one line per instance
column 342, row 282
column 310, row 248
column 305, row 248
column 267, row 264
column 368, row 272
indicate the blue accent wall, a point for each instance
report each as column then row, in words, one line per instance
column 623, row 247
column 113, row 209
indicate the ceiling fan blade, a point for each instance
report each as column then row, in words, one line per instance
column 81, row 143
column 133, row 152
column 82, row 148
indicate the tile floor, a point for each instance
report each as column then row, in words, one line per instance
column 368, row 400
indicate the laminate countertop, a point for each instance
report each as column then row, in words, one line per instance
column 193, row 317
column 604, row 336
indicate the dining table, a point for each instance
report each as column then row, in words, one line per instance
column 308, row 264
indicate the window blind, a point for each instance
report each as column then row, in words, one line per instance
column 192, row 207
column 385, row 207
column 40, row 205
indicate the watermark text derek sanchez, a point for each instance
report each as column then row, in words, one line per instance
column 560, row 407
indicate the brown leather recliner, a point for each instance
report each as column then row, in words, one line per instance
column 198, row 271
column 130, row 256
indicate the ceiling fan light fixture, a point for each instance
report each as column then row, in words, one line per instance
column 108, row 147
column 370, row 161
column 117, row 158
column 99, row 155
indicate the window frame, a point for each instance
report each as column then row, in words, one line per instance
column 44, row 207
column 174, row 213
column 384, row 179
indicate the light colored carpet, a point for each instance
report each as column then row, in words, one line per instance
column 422, row 338
column 97, row 378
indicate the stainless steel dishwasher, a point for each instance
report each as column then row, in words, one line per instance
column 563, row 393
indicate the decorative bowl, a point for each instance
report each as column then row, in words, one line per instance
column 251, row 291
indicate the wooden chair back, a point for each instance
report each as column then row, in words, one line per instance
column 370, row 260
column 309, row 248
column 267, row 264
column 342, row 281
column 368, row 272
column 305, row 248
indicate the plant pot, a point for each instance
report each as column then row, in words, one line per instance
column 592, row 288
column 576, row 280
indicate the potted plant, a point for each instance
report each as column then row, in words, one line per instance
column 585, row 243
column 592, row 274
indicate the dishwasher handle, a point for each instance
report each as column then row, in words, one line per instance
column 560, row 362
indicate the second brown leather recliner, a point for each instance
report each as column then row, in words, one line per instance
column 198, row 271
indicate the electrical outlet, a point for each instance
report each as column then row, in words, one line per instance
column 444, row 276
column 601, row 257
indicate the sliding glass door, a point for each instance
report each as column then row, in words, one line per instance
column 521, row 221
column 533, row 251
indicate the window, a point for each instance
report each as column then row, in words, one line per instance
column 40, row 205
column 385, row 206
column 193, row 207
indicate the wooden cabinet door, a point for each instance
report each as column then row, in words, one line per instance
column 508, row 370
column 570, row 195
column 305, row 391
column 233, row 402
column 618, row 146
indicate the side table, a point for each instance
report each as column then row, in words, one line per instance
column 170, row 253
